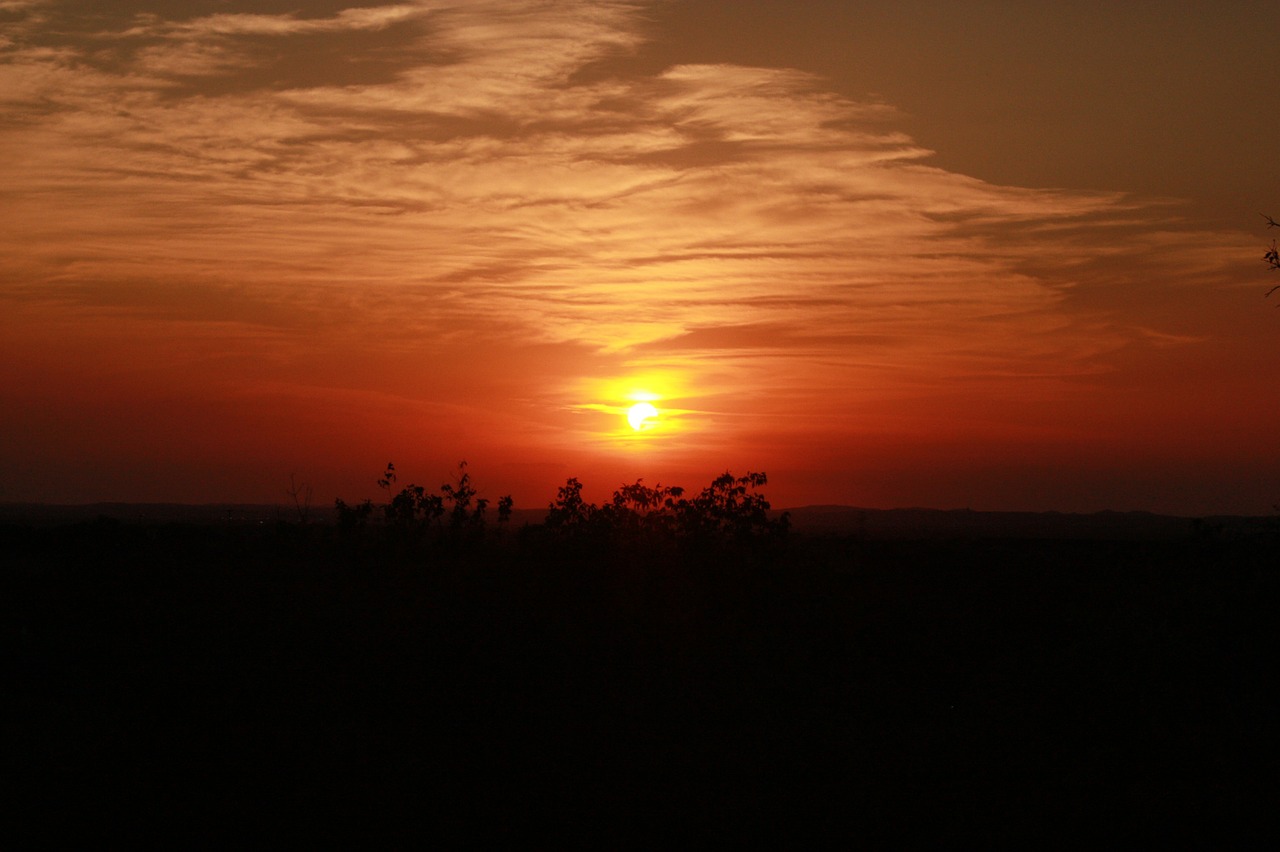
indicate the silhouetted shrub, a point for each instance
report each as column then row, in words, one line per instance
column 729, row 512
column 731, row 508
column 1272, row 255
column 569, row 511
column 638, row 522
column 353, row 517
column 415, row 514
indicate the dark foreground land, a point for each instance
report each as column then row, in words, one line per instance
column 173, row 680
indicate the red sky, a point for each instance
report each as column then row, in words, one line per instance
column 894, row 254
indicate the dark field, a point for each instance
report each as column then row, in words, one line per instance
column 206, row 678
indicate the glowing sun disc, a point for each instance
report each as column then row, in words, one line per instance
column 639, row 413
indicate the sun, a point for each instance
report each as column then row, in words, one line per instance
column 640, row 414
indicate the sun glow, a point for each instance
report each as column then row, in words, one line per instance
column 628, row 413
column 640, row 415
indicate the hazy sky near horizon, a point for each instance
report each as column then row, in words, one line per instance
column 995, row 254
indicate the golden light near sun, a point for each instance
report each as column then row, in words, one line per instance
column 632, row 411
column 640, row 414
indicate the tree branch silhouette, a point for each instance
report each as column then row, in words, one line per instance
column 301, row 494
column 1272, row 255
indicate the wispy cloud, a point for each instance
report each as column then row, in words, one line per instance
column 241, row 24
column 745, row 223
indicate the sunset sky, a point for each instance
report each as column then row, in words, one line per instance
column 998, row 255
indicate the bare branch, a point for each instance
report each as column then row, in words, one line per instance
column 301, row 494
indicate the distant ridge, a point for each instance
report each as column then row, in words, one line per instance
column 834, row 520
column 967, row 523
column 191, row 513
column 52, row 514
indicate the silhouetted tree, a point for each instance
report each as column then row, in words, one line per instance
column 352, row 517
column 1272, row 256
column 728, row 510
column 638, row 510
column 414, row 511
column 642, row 501
column 638, row 518
column 569, row 513
column 467, row 510
column 412, row 507
column 731, row 508
column 301, row 494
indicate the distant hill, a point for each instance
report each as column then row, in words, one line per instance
column 966, row 523
column 881, row 524
column 154, row 513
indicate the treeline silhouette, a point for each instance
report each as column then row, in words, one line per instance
column 730, row 512
column 667, row 667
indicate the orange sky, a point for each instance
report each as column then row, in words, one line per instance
column 894, row 254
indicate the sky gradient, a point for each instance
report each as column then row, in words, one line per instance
column 894, row 254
